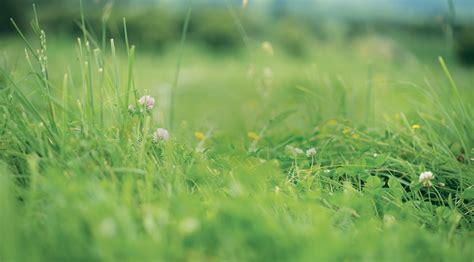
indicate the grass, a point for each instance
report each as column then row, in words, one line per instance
column 81, row 178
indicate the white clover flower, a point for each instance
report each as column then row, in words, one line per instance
column 425, row 178
column 161, row 134
column 147, row 101
column 299, row 151
column 311, row 152
column 107, row 227
column 294, row 151
column 189, row 225
column 268, row 72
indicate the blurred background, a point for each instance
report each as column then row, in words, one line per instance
column 398, row 28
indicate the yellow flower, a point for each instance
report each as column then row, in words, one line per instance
column 253, row 136
column 355, row 136
column 346, row 130
column 415, row 126
column 332, row 122
column 199, row 136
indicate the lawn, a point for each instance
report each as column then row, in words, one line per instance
column 359, row 150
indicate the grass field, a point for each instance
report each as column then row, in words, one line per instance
column 269, row 157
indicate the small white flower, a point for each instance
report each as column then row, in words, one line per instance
column 107, row 227
column 311, row 152
column 299, row 151
column 268, row 72
column 293, row 151
column 161, row 134
column 425, row 178
column 189, row 225
column 147, row 101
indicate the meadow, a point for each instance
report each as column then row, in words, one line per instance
column 359, row 150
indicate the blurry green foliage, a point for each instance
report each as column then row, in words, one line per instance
column 215, row 28
column 156, row 27
column 464, row 45
column 11, row 9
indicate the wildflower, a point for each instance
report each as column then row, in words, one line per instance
column 332, row 122
column 107, row 227
column 346, row 130
column 389, row 220
column 189, row 225
column 299, row 151
column 147, row 101
column 355, row 136
column 294, row 151
column 311, row 152
column 425, row 178
column 200, row 136
column 161, row 134
column 268, row 73
column 415, row 126
column 253, row 136
column 267, row 48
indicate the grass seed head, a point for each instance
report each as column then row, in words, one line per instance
column 267, row 48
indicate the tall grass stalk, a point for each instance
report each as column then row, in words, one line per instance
column 174, row 86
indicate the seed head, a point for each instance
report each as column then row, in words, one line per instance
column 267, row 48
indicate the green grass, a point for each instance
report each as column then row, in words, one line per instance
column 81, row 178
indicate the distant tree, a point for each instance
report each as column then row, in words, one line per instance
column 11, row 9
column 464, row 45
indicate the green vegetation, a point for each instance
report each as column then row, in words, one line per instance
column 85, row 176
